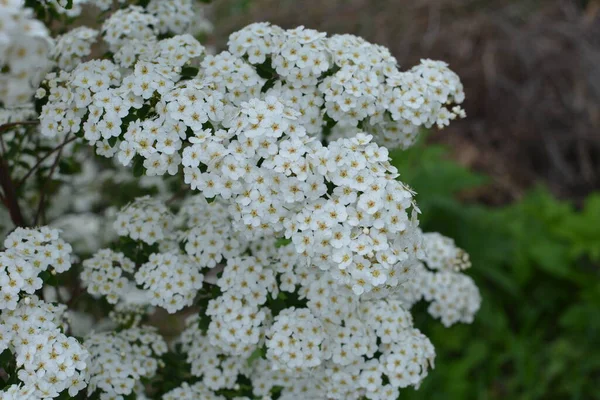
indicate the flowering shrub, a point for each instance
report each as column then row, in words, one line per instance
column 276, row 222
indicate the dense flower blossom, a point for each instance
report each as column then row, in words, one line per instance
column 24, row 46
column 145, row 219
column 292, row 233
column 48, row 361
column 104, row 274
column 72, row 47
column 119, row 360
column 172, row 280
column 28, row 252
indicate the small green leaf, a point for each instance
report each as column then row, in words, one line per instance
column 282, row 242
column 260, row 352
column 138, row 166
column 188, row 72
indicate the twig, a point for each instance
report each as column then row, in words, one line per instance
column 48, row 179
column 10, row 195
column 6, row 127
column 39, row 162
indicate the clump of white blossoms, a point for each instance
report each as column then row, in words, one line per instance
column 24, row 46
column 172, row 280
column 277, row 224
column 120, row 360
column 145, row 219
column 47, row 361
column 104, row 274
column 28, row 253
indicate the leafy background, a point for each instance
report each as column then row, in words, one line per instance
column 537, row 335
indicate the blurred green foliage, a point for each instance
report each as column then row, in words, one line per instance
column 536, row 262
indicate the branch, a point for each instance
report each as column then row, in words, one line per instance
column 6, row 127
column 41, row 160
column 10, row 195
column 47, row 182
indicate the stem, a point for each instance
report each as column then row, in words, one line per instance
column 39, row 162
column 10, row 195
column 48, row 179
column 6, row 127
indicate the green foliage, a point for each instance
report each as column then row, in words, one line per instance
column 537, row 335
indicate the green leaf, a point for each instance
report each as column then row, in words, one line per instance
column 260, row 352
column 282, row 242
column 138, row 166
column 189, row 72
column 68, row 166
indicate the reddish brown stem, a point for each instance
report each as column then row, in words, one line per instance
column 10, row 195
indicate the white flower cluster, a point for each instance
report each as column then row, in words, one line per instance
column 363, row 86
column 28, row 252
column 210, row 237
column 24, row 47
column 172, row 280
column 145, row 219
column 453, row 295
column 237, row 314
column 341, row 346
column 73, row 46
column 309, row 237
column 130, row 314
column 48, row 362
column 127, row 24
column 120, row 360
column 194, row 392
column 103, row 274
column 340, row 203
column 279, row 184
column 441, row 253
column 295, row 340
column 207, row 361
column 175, row 16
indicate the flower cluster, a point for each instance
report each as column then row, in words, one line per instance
column 145, row 219
column 28, row 252
column 336, row 336
column 172, row 280
column 128, row 24
column 48, row 362
column 120, row 360
column 237, row 315
column 24, row 47
column 72, row 47
column 217, row 370
column 362, row 86
column 453, row 296
column 196, row 391
column 175, row 16
column 103, row 274
column 297, row 241
column 209, row 237
column 295, row 340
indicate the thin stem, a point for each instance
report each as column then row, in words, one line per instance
column 41, row 160
column 48, row 179
column 6, row 127
column 10, row 195
column 2, row 145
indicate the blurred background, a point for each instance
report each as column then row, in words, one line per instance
column 516, row 183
